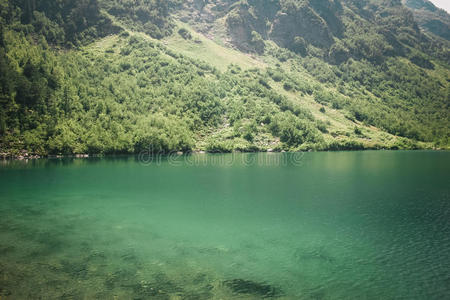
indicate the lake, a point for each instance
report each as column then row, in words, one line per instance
column 326, row 225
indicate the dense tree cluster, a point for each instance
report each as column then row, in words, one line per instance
column 63, row 23
column 149, row 16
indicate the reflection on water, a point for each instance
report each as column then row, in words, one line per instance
column 359, row 225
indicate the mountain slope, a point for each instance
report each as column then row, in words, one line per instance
column 239, row 76
column 402, row 66
column 431, row 18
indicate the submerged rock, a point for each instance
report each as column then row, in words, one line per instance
column 315, row 254
column 242, row 286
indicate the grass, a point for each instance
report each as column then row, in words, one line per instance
column 202, row 48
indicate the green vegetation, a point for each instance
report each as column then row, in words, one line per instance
column 149, row 16
column 91, row 77
column 185, row 33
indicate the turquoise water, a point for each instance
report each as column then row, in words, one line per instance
column 344, row 225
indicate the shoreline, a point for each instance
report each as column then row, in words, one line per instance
column 8, row 156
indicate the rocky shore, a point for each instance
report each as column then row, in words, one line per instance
column 25, row 155
column 21, row 155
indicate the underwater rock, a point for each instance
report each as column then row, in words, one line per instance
column 123, row 278
column 322, row 257
column 130, row 259
column 144, row 291
column 319, row 254
column 199, row 278
column 74, row 269
column 4, row 250
column 160, row 287
column 95, row 255
column 242, row 286
column 203, row 295
column 163, row 283
column 201, row 288
column 4, row 292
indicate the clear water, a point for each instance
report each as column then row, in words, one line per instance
column 345, row 225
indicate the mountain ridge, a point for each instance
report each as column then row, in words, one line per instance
column 430, row 17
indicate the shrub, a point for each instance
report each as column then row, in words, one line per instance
column 322, row 126
column 345, row 145
column 185, row 34
column 288, row 86
column 214, row 146
column 299, row 45
column 336, row 105
column 277, row 76
column 323, row 97
column 292, row 130
column 257, row 42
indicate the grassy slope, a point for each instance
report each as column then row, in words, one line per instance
column 340, row 128
column 201, row 47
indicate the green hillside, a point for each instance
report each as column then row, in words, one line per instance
column 432, row 19
column 110, row 77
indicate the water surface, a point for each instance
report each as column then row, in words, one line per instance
column 344, row 225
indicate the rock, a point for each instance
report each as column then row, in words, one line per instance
column 303, row 21
column 242, row 286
